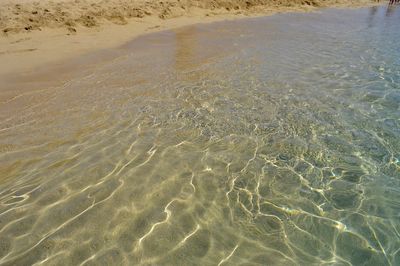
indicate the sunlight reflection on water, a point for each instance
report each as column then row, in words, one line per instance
column 268, row 141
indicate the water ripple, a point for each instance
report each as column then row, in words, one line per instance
column 271, row 141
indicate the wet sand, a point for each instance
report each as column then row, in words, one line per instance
column 36, row 34
column 265, row 141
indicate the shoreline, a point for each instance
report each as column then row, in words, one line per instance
column 26, row 52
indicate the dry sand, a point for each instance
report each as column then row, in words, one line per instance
column 35, row 33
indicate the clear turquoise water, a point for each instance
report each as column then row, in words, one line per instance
column 268, row 141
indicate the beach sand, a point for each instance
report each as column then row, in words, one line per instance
column 39, row 33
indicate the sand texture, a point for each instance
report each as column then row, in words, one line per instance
column 26, row 15
column 40, row 33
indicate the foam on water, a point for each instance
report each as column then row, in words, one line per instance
column 269, row 141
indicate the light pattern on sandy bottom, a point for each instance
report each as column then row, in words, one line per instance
column 271, row 141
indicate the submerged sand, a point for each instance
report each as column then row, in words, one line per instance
column 34, row 33
column 270, row 141
column 28, row 15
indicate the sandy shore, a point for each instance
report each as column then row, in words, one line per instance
column 37, row 33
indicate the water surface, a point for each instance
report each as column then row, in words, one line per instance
column 268, row 141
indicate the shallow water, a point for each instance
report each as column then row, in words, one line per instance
column 268, row 141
